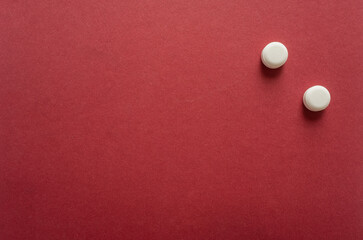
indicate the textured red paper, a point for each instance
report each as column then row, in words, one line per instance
column 155, row 119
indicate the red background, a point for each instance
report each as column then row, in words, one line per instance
column 156, row 120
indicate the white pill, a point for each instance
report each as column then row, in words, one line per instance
column 274, row 55
column 316, row 98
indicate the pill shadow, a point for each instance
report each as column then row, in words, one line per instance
column 311, row 116
column 268, row 73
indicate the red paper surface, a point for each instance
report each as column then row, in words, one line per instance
column 156, row 120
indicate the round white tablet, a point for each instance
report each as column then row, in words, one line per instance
column 274, row 55
column 316, row 98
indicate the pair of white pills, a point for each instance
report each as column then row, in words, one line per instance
column 316, row 98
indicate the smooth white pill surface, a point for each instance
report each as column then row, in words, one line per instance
column 274, row 55
column 316, row 98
